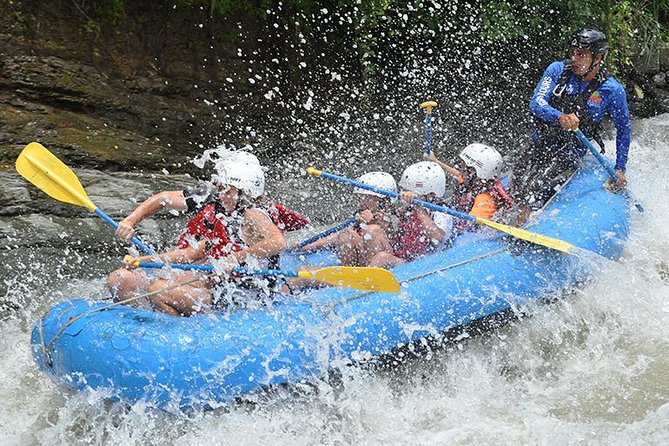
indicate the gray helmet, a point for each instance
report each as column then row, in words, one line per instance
column 592, row 39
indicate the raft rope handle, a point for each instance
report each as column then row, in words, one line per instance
column 47, row 348
column 331, row 305
column 45, row 352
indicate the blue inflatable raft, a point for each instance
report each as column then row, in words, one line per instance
column 209, row 360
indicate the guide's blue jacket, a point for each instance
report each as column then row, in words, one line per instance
column 609, row 98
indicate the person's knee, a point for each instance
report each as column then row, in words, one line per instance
column 349, row 237
column 348, row 246
column 155, row 287
column 120, row 280
column 376, row 240
column 385, row 260
column 154, row 294
column 116, row 277
column 379, row 259
column 374, row 231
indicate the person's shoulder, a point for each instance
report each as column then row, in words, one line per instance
column 612, row 91
column 557, row 65
column 612, row 84
column 255, row 212
column 554, row 70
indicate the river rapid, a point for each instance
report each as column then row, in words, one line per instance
column 590, row 368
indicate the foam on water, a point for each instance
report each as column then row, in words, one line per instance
column 590, row 368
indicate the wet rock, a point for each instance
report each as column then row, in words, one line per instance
column 28, row 106
column 663, row 271
column 30, row 218
column 663, row 56
column 59, row 81
column 82, row 113
column 646, row 97
column 14, row 194
column 93, row 119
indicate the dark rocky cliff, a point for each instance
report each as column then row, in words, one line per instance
column 148, row 90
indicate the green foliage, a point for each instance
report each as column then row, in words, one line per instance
column 634, row 27
column 91, row 27
column 367, row 16
column 111, row 11
column 223, row 9
column 509, row 21
column 12, row 18
column 617, row 20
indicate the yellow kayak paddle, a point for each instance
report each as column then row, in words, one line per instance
column 360, row 278
column 523, row 234
column 43, row 169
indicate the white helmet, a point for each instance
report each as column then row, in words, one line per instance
column 484, row 159
column 248, row 178
column 225, row 155
column 244, row 157
column 424, row 178
column 382, row 180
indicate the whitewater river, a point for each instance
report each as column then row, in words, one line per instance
column 592, row 368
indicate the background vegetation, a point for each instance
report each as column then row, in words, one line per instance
column 636, row 28
column 288, row 75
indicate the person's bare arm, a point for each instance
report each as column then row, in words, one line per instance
column 452, row 171
column 325, row 242
column 170, row 200
column 265, row 238
column 432, row 231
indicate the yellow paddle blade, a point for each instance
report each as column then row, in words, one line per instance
column 428, row 106
column 41, row 167
column 532, row 237
column 366, row 279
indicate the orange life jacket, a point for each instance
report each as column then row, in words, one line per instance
column 484, row 204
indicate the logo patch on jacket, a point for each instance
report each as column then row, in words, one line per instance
column 595, row 98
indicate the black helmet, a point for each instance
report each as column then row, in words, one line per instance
column 592, row 39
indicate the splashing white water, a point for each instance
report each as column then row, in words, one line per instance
column 588, row 369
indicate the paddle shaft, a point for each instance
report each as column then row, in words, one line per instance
column 428, row 134
column 611, row 171
column 111, row 222
column 427, row 106
column 61, row 178
column 364, row 279
column 392, row 194
column 522, row 234
column 584, row 140
column 209, row 268
column 324, row 234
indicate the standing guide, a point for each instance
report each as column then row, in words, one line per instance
column 572, row 94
